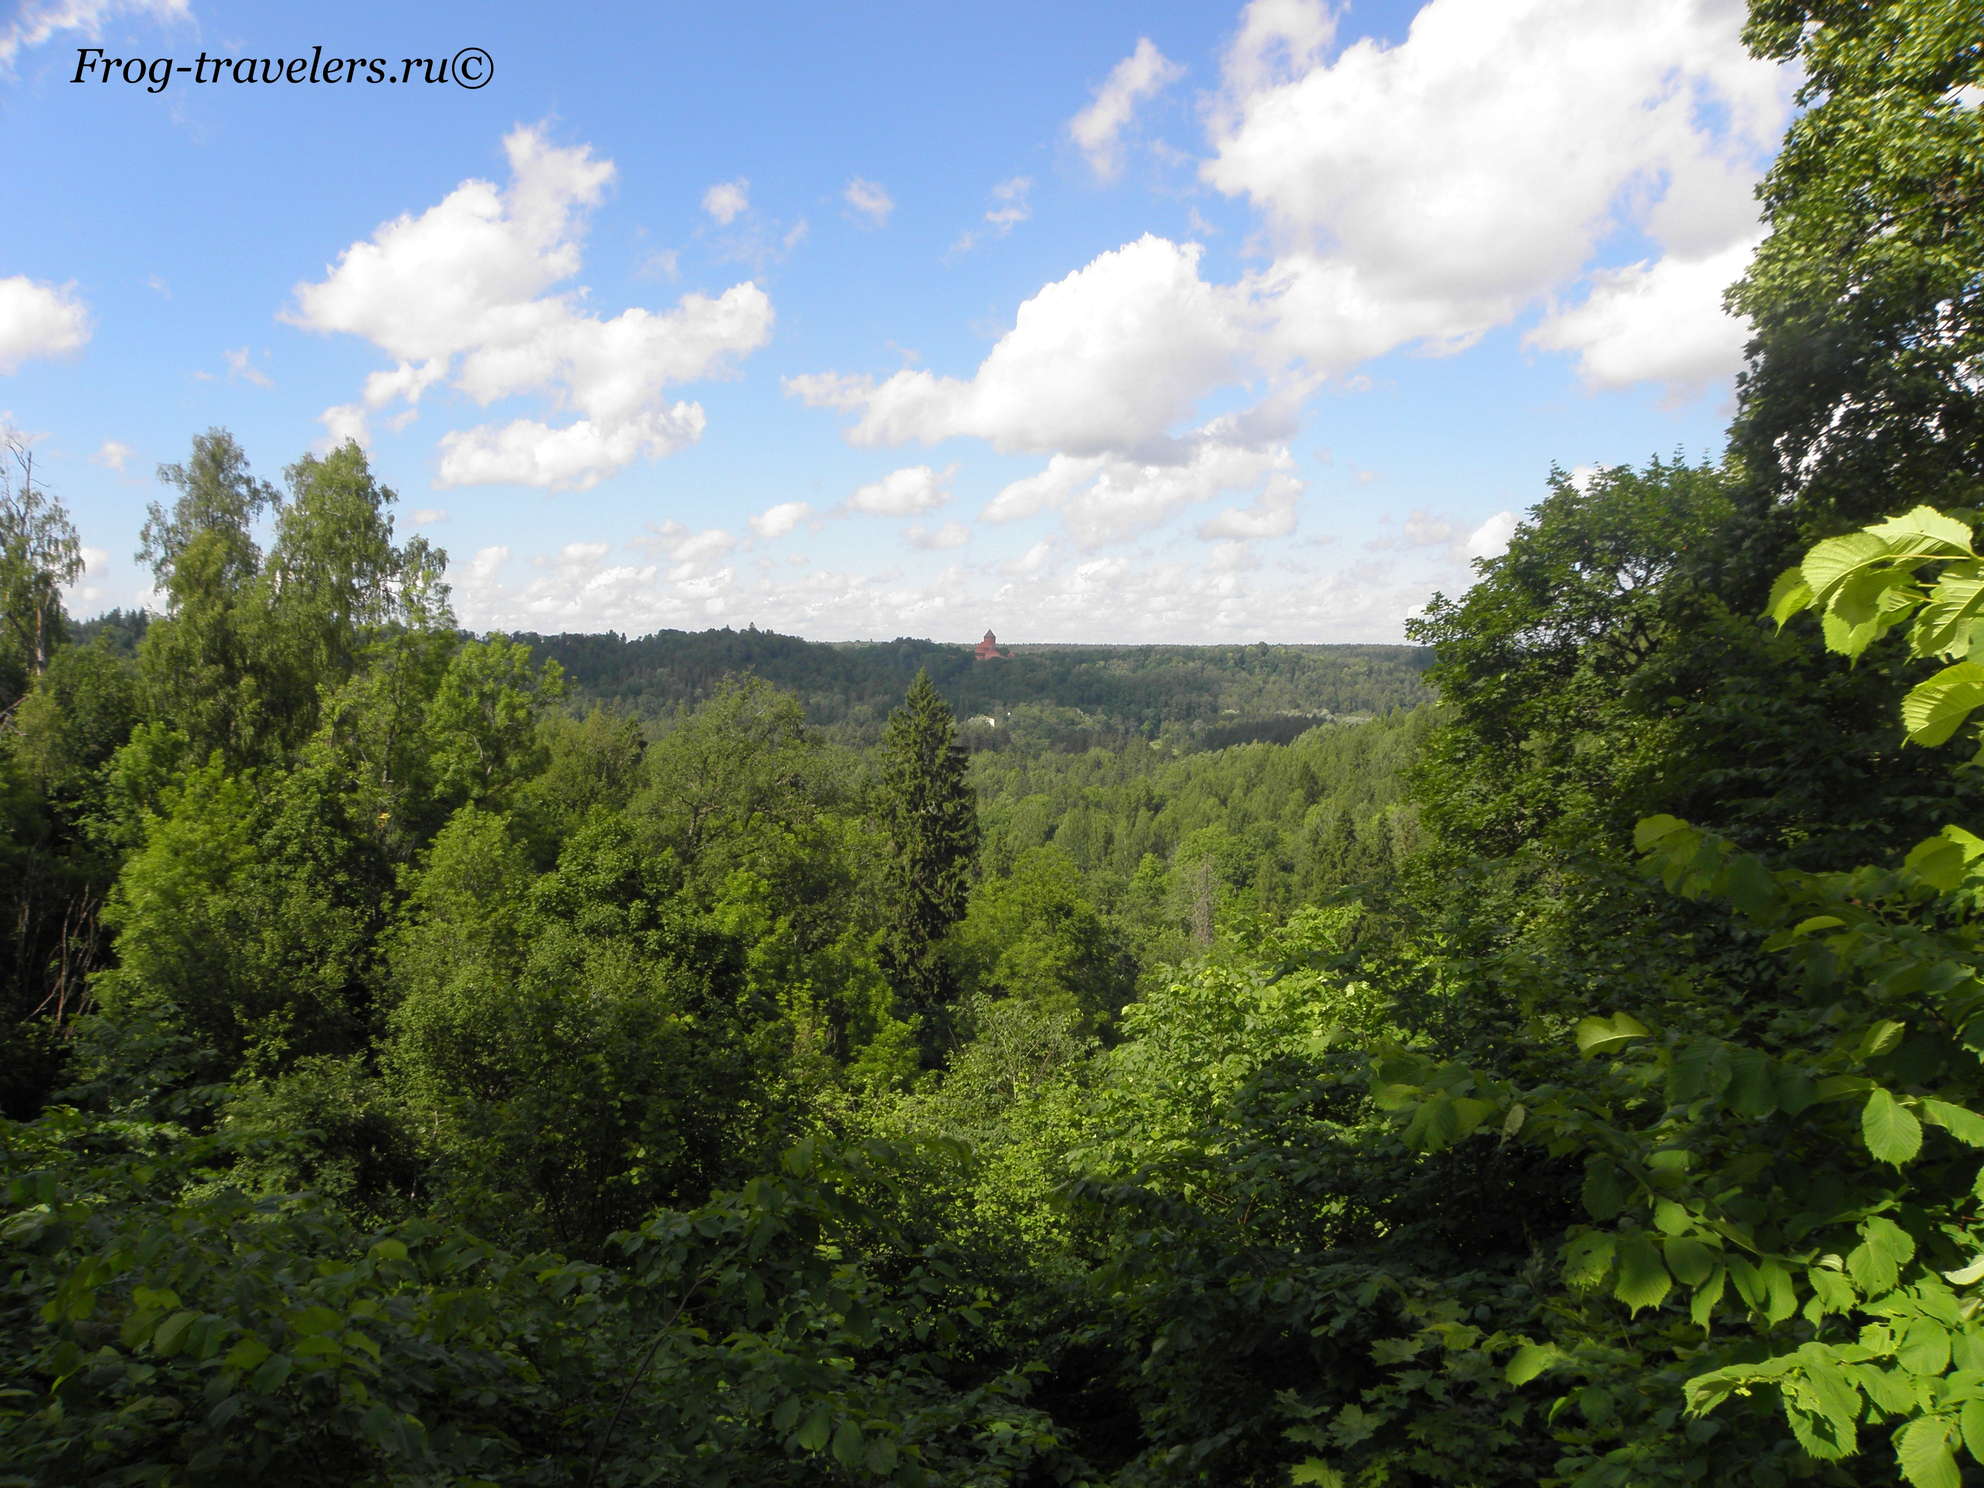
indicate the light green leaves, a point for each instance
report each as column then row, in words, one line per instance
column 1944, row 626
column 1603, row 1035
column 1967, row 1275
column 1881, row 1038
column 1440, row 1120
column 1875, row 1263
column 1944, row 861
column 1890, row 1129
column 1830, row 565
column 1937, row 708
column 1959, row 1121
column 1863, row 583
column 1317, row 1472
column 1531, row 1360
column 1643, row 1279
column 1924, row 530
column 1923, row 1449
column 1789, row 596
column 1866, row 583
column 1588, row 1258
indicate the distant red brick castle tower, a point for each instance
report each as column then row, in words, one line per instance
column 988, row 649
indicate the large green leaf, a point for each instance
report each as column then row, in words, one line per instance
column 817, row 1427
column 1588, row 1258
column 1825, row 1387
column 1923, row 1449
column 1651, row 831
column 1605, row 1189
column 1867, row 605
column 1689, row 1259
column 1959, row 1121
column 1937, row 708
column 1643, row 1279
column 1831, row 563
column 1891, row 1131
column 1881, row 1038
column 1972, row 1421
column 1924, row 1348
column 1702, row 1306
column 1923, row 529
column 1938, row 862
column 1943, row 627
column 849, row 1445
column 172, row 1332
column 1531, row 1360
column 1875, row 1263
column 1602, row 1035
column 1788, row 596
column 1780, row 1294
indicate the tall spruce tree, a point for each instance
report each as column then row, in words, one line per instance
column 931, row 813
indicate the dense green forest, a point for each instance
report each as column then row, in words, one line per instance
column 1030, row 698
column 439, row 1060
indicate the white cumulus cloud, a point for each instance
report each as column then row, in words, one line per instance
column 39, row 320
column 465, row 293
column 1491, row 538
column 1112, row 357
column 113, row 454
column 681, row 545
column 1105, row 498
column 776, row 521
column 1659, row 321
column 902, row 493
column 1488, row 188
column 950, row 535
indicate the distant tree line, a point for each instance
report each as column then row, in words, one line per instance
column 1061, row 697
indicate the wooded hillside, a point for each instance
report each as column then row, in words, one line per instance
column 426, row 1071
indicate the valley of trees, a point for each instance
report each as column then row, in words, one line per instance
column 455, row 1061
column 1043, row 697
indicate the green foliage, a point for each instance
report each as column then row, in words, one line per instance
column 225, row 1340
column 1861, row 393
column 40, row 554
column 590, row 763
column 1285, row 1127
column 199, row 662
column 1871, row 582
column 1033, row 934
column 247, row 645
column 734, row 776
column 79, row 712
column 1569, row 634
column 931, row 815
column 574, row 1046
column 1042, row 699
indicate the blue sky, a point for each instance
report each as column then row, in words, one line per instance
column 1078, row 321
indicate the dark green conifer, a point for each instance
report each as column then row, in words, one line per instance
column 931, row 813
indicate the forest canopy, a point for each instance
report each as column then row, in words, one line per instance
column 455, row 1060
